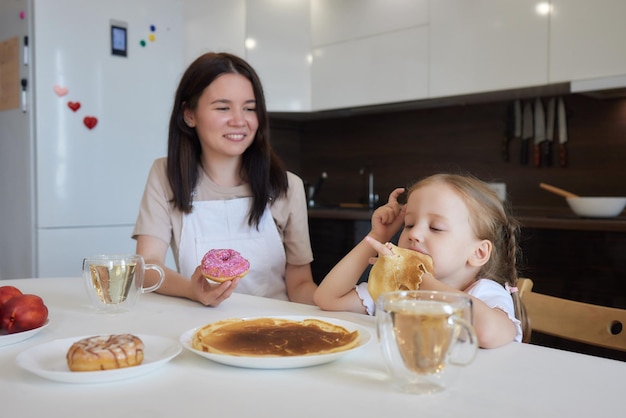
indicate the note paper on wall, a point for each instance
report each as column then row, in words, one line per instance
column 9, row 74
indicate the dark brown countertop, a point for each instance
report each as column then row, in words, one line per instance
column 563, row 218
column 540, row 218
column 341, row 214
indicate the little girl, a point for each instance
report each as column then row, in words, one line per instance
column 462, row 224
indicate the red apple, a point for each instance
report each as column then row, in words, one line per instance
column 22, row 313
column 6, row 293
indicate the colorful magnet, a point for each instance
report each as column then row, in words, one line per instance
column 151, row 37
column 152, row 28
column 74, row 106
column 142, row 43
column 60, row 91
column 22, row 14
column 90, row 121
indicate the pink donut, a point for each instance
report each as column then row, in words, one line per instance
column 223, row 264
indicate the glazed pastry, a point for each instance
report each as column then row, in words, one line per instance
column 221, row 265
column 105, row 352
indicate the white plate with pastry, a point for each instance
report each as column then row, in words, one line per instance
column 278, row 360
column 49, row 360
column 7, row 339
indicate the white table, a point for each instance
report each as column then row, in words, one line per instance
column 517, row 380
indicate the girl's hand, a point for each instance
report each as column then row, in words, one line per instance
column 388, row 219
column 379, row 247
column 208, row 293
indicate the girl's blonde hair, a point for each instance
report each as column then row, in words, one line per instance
column 490, row 219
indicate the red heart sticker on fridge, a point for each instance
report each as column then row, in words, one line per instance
column 90, row 121
column 74, row 105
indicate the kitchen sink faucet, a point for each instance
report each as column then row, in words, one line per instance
column 313, row 191
column 372, row 198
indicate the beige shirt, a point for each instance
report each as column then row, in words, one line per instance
column 158, row 217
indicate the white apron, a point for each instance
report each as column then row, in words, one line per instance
column 224, row 224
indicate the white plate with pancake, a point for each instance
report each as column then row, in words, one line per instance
column 7, row 339
column 48, row 360
column 281, row 362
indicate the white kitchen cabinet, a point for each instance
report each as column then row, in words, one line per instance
column 387, row 68
column 587, row 39
column 368, row 52
column 214, row 25
column 274, row 36
column 279, row 48
column 486, row 45
column 335, row 21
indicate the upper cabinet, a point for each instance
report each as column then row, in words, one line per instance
column 278, row 46
column 274, row 36
column 315, row 55
column 387, row 68
column 368, row 52
column 214, row 25
column 587, row 39
column 486, row 45
column 335, row 21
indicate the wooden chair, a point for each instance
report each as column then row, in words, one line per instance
column 596, row 325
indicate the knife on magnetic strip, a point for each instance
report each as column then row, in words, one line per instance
column 547, row 145
column 562, row 120
column 527, row 131
column 513, row 127
column 540, row 131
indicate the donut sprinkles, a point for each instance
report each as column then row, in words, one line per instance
column 224, row 264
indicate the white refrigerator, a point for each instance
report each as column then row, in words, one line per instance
column 96, row 83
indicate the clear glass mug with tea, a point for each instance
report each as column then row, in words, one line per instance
column 426, row 338
column 114, row 281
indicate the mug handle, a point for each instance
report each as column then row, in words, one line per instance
column 159, row 283
column 465, row 344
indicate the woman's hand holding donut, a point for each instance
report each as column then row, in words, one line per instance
column 210, row 294
column 388, row 219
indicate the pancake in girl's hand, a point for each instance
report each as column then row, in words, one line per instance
column 402, row 270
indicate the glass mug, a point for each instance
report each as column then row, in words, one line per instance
column 114, row 281
column 426, row 336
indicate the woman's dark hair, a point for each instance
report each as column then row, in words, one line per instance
column 261, row 167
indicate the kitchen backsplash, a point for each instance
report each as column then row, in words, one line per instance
column 402, row 146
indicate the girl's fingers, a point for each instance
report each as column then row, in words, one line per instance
column 393, row 196
column 381, row 249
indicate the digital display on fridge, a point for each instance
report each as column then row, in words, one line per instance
column 118, row 40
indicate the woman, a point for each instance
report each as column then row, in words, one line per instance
column 222, row 186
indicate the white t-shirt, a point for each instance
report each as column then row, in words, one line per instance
column 490, row 292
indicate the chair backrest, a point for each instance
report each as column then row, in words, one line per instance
column 597, row 325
